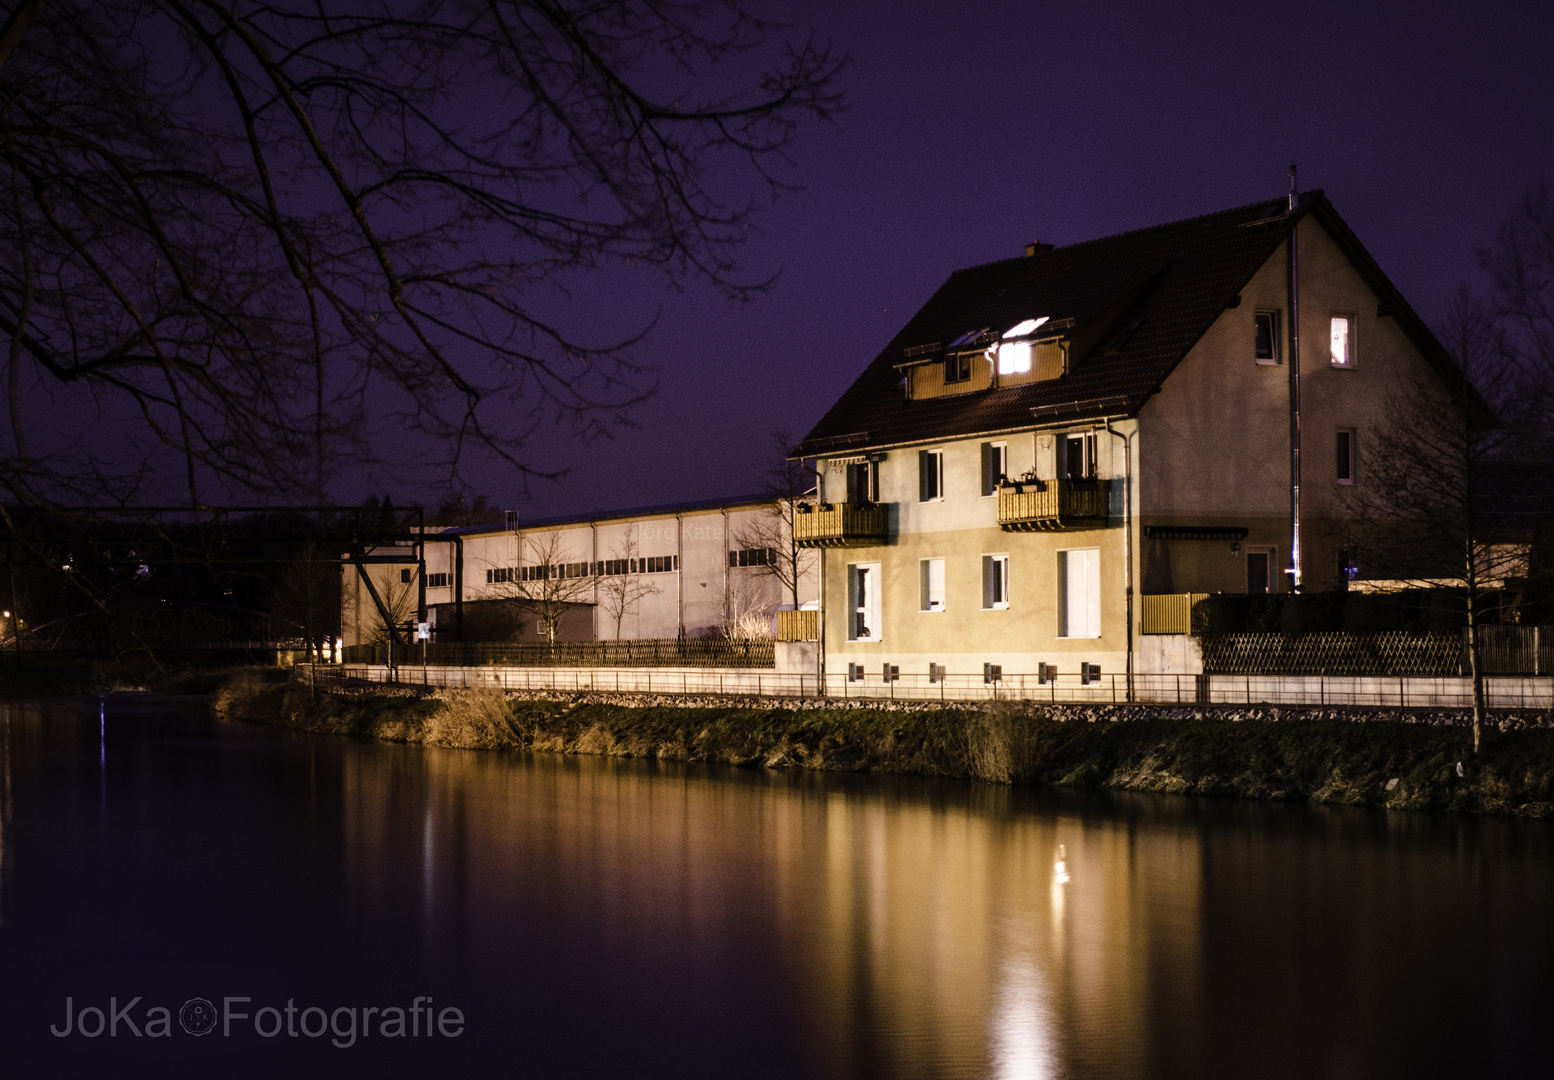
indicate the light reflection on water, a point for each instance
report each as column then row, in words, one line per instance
column 603, row 915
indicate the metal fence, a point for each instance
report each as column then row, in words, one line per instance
column 1072, row 688
column 642, row 652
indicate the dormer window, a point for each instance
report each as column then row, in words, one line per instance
column 957, row 367
column 1014, row 354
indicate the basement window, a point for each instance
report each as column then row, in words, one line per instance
column 1267, row 323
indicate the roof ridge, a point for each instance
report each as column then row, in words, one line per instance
column 1142, row 229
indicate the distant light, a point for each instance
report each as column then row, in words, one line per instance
column 6, row 614
column 1029, row 326
column 1060, row 868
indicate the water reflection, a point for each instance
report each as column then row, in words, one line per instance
column 604, row 915
column 924, row 928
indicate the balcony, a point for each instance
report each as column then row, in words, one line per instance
column 841, row 525
column 1051, row 505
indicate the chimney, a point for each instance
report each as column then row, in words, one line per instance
column 1037, row 247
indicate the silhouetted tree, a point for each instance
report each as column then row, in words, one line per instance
column 240, row 239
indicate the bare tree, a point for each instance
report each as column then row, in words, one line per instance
column 787, row 482
column 1422, row 521
column 747, row 614
column 306, row 591
column 1521, row 267
column 241, row 240
column 399, row 605
column 621, row 587
column 546, row 585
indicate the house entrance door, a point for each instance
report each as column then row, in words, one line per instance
column 1258, row 564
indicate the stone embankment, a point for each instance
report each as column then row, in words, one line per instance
column 1400, row 759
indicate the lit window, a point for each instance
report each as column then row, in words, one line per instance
column 1341, row 338
column 1345, row 456
column 995, row 581
column 1267, row 337
column 1014, row 357
column 863, row 602
column 1079, row 593
column 931, row 571
column 930, row 473
column 995, row 466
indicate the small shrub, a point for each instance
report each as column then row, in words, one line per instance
column 1001, row 742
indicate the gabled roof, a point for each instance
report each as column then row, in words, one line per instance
column 1165, row 284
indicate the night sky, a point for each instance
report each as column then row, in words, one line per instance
column 975, row 129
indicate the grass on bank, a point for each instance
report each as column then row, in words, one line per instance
column 1330, row 761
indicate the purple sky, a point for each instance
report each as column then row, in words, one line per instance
column 975, row 129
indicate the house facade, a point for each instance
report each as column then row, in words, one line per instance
column 684, row 570
column 1059, row 451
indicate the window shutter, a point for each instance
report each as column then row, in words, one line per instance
column 924, row 472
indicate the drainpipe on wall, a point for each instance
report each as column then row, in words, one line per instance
column 1127, row 536
column 679, row 568
column 1294, row 290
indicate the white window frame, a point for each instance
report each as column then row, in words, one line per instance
column 1354, row 456
column 927, row 571
column 1347, row 362
column 990, row 472
column 870, row 609
column 995, row 571
column 1090, row 611
column 1278, row 333
column 930, row 462
column 1088, row 468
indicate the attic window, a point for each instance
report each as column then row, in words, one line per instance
column 1021, row 329
column 1014, row 357
column 968, row 338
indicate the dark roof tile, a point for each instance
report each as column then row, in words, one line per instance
column 1176, row 277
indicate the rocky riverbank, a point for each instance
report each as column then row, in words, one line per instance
column 1400, row 759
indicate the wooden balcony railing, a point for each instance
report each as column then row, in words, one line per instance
column 1042, row 505
column 841, row 525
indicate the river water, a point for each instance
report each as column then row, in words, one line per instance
column 584, row 917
